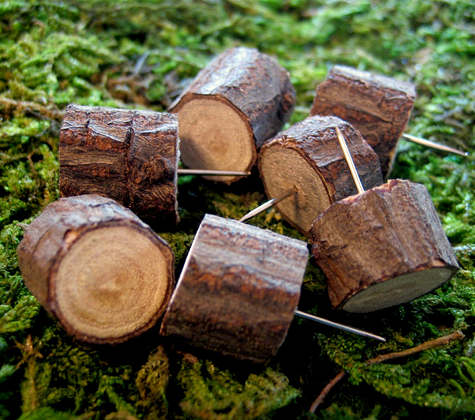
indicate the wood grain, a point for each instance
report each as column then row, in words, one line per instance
column 234, row 104
column 238, row 290
column 128, row 155
column 378, row 106
column 103, row 273
column 382, row 248
column 308, row 157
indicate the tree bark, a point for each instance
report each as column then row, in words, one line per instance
column 382, row 248
column 128, row 155
column 308, row 157
column 239, row 100
column 378, row 106
column 238, row 290
column 103, row 273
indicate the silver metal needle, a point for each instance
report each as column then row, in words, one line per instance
column 266, row 205
column 434, row 145
column 211, row 172
column 337, row 325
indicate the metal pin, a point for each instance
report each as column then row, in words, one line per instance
column 266, row 205
column 434, row 145
column 337, row 325
column 349, row 161
column 210, row 172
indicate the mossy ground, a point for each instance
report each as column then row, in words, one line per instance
column 142, row 54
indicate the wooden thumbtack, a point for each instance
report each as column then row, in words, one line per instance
column 238, row 291
column 378, row 106
column 382, row 247
column 239, row 100
column 94, row 265
column 308, row 154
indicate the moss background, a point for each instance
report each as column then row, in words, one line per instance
column 141, row 54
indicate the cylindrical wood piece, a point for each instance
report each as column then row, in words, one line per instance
column 239, row 100
column 128, row 155
column 382, row 248
column 308, row 157
column 104, row 274
column 238, row 290
column 378, row 106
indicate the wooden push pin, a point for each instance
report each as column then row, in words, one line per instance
column 104, row 274
column 238, row 101
column 378, row 106
column 238, row 291
column 306, row 159
column 128, row 155
column 381, row 247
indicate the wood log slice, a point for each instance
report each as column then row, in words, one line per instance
column 309, row 158
column 239, row 100
column 382, row 248
column 104, row 274
column 378, row 106
column 238, row 290
column 128, row 155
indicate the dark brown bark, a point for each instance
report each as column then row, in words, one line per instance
column 309, row 157
column 382, row 248
column 97, row 267
column 248, row 83
column 127, row 155
column 378, row 106
column 238, row 290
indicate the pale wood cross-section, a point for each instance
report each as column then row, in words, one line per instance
column 104, row 274
column 307, row 157
column 234, row 104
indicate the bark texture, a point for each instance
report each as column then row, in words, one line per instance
column 128, row 155
column 387, row 243
column 58, row 233
column 238, row 290
column 378, row 106
column 308, row 157
column 253, row 85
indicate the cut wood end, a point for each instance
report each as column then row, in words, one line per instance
column 398, row 290
column 283, row 168
column 215, row 135
column 112, row 284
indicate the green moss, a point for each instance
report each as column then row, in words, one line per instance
column 152, row 381
column 214, row 393
column 46, row 413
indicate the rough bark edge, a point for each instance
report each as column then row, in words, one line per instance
column 85, row 109
column 189, row 96
column 447, row 264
